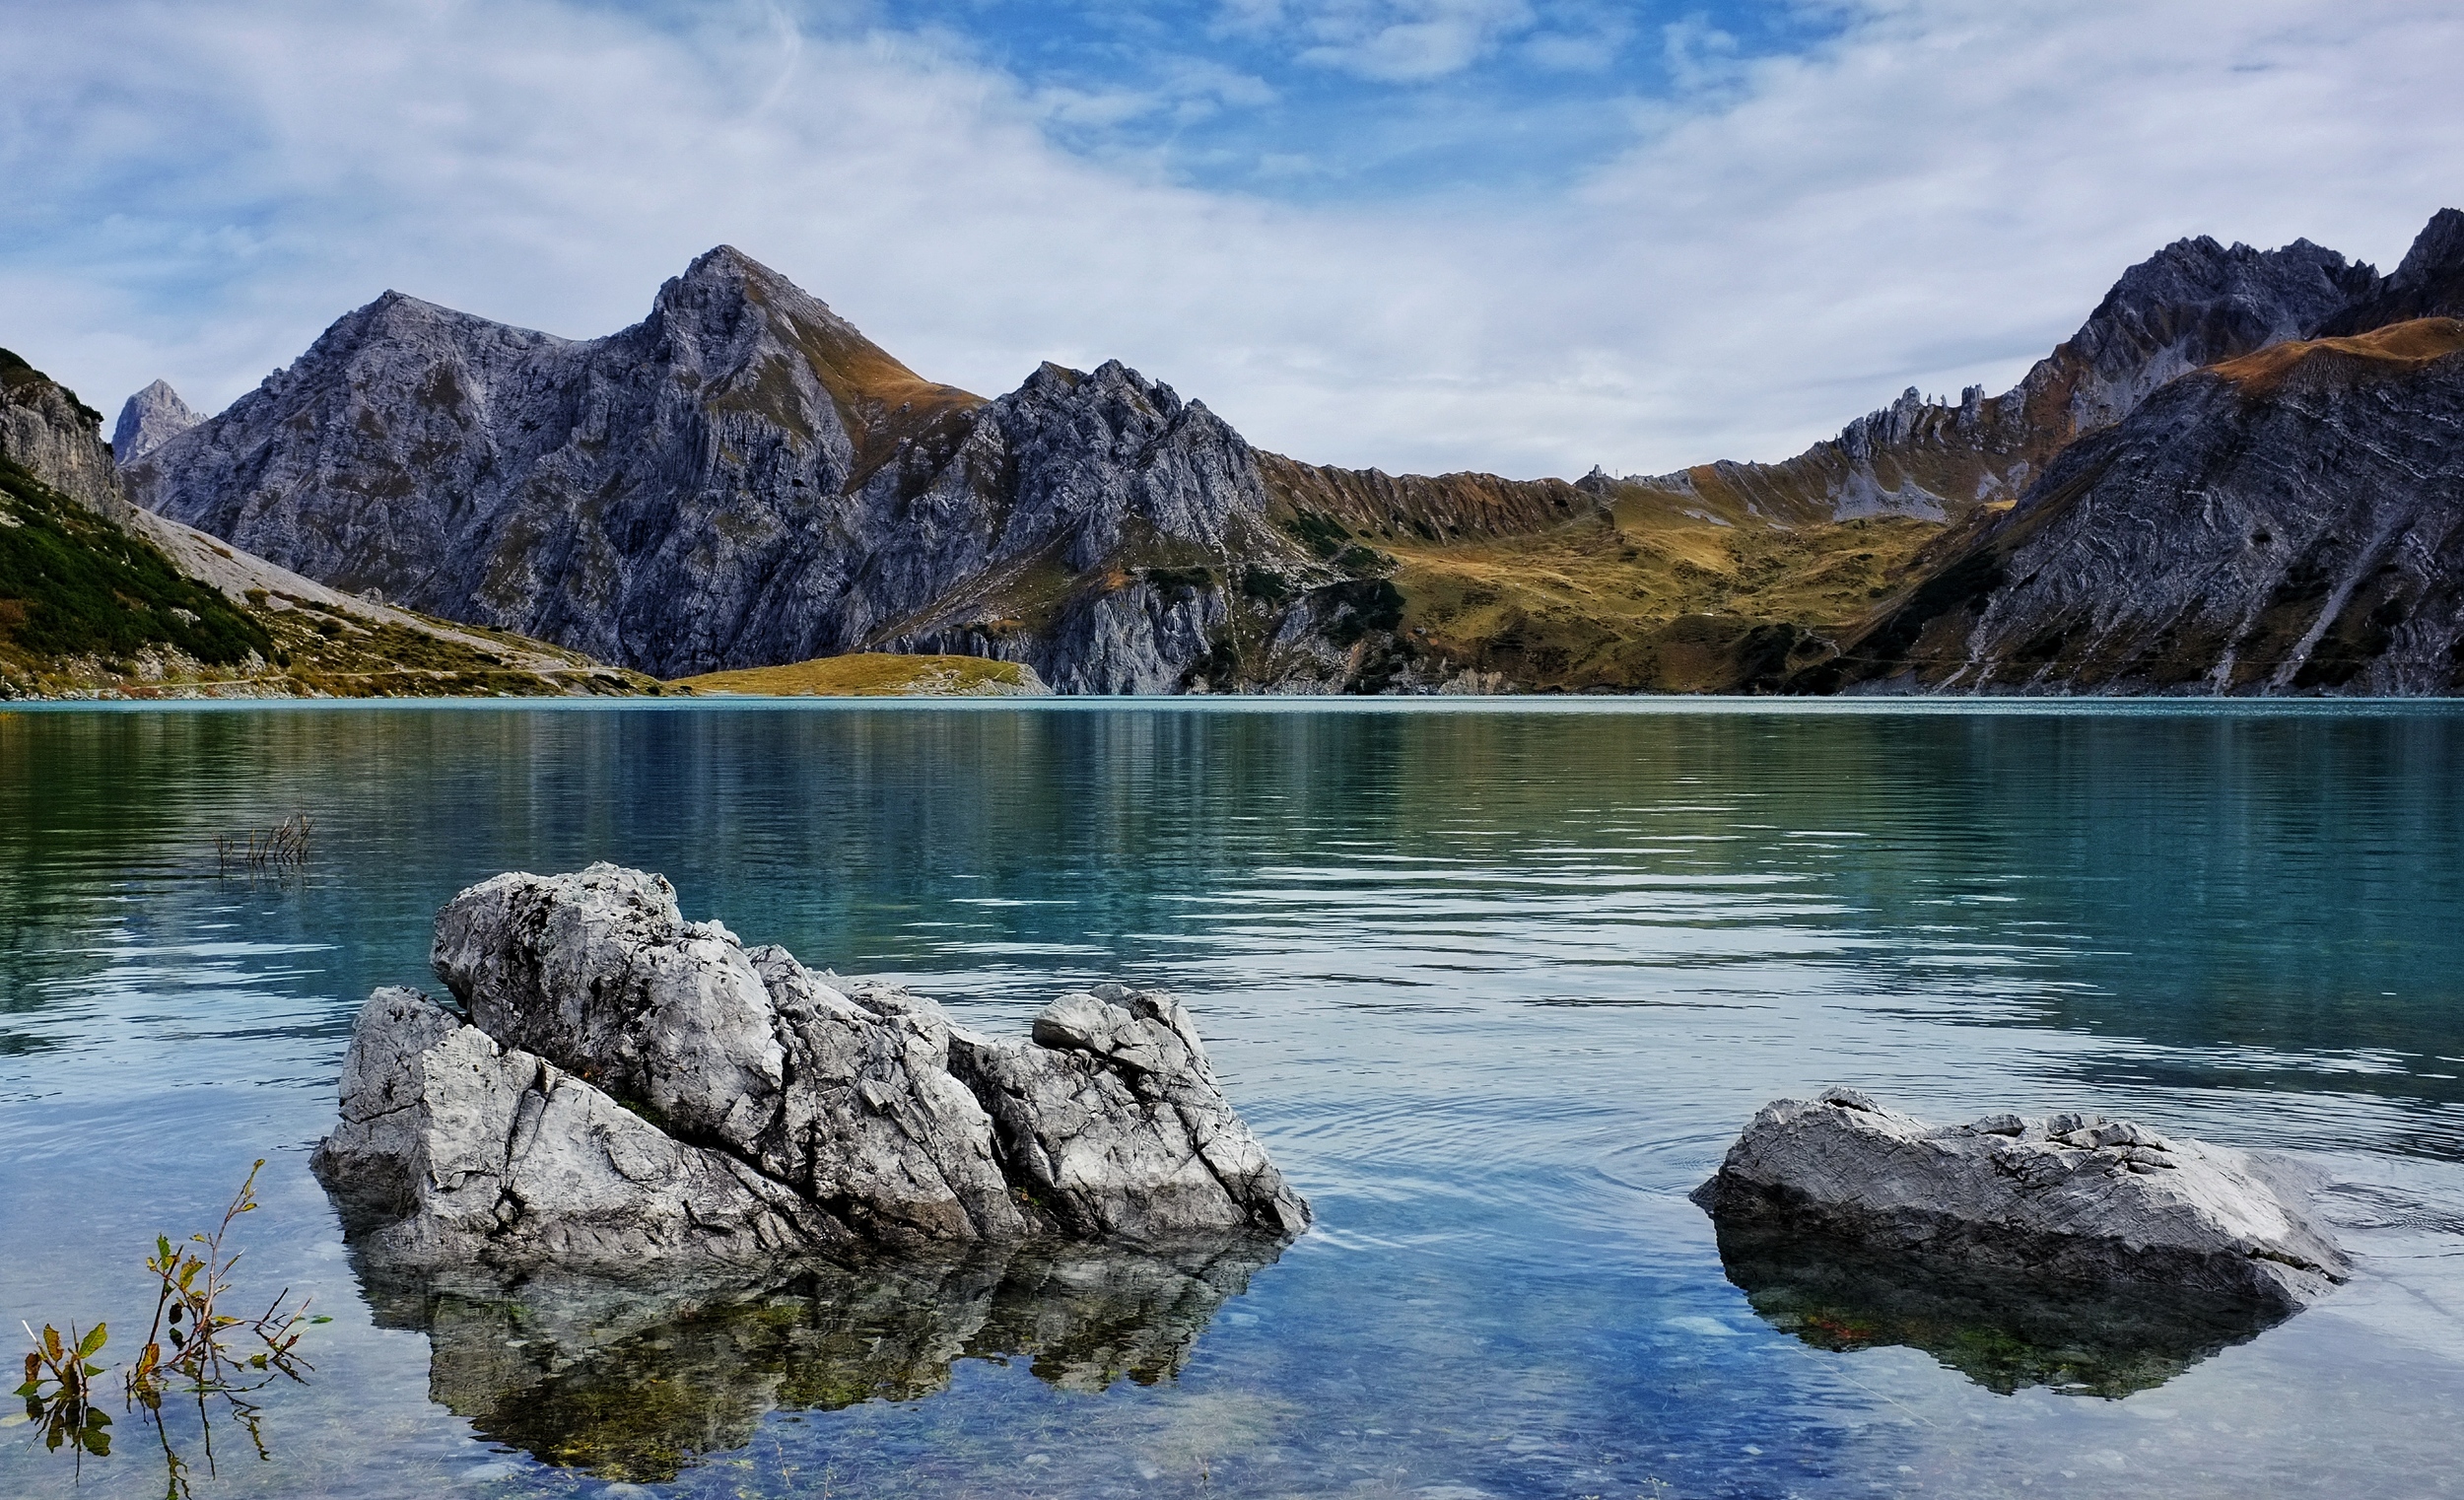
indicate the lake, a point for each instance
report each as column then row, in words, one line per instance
column 1496, row 982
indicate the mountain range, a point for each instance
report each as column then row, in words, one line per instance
column 101, row 599
column 2241, row 476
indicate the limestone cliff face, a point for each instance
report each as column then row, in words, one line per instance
column 741, row 478
column 57, row 439
column 2291, row 520
column 99, row 598
column 149, row 419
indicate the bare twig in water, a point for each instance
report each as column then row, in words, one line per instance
column 282, row 848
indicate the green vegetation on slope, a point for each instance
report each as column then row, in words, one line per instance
column 73, row 584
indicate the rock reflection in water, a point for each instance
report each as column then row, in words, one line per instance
column 634, row 1382
column 1999, row 1333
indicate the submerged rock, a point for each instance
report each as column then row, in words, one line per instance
column 626, row 1088
column 2000, row 1331
column 557, row 1366
column 2073, row 1199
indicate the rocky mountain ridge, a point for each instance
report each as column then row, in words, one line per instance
column 741, row 480
column 101, row 599
column 2289, row 522
column 744, row 480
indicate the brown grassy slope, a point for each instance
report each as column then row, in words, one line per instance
column 1433, row 507
column 882, row 403
column 1603, row 588
column 2392, row 352
column 873, row 674
column 1719, row 578
column 1632, row 600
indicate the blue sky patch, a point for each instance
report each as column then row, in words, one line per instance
column 1317, row 99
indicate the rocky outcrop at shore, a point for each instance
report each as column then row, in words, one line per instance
column 625, row 1088
column 2074, row 1200
column 56, row 438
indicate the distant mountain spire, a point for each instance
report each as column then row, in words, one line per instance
column 151, row 418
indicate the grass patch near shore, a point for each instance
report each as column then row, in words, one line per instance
column 874, row 674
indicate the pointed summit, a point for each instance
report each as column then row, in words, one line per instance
column 149, row 419
column 745, row 325
column 2429, row 284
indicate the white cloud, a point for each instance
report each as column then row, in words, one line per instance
column 1933, row 198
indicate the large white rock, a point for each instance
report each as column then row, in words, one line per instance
column 2072, row 1198
column 630, row 1088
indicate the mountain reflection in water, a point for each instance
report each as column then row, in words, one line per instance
column 632, row 1381
column 2002, row 1333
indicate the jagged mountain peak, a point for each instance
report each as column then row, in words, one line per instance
column 741, row 478
column 731, row 314
column 2427, row 283
column 2211, row 295
column 149, row 419
column 2438, row 251
column 396, row 326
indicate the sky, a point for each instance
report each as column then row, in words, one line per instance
column 1525, row 236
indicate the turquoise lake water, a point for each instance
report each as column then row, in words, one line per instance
column 1495, row 983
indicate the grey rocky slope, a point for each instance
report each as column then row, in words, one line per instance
column 741, row 480
column 628, row 1088
column 2291, row 520
column 48, row 433
column 149, row 419
column 2073, row 1199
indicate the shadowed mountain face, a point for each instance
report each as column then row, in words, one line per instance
column 634, row 1383
column 2288, row 520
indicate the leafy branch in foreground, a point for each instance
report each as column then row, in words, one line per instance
column 59, row 1389
column 187, row 1310
column 193, row 1281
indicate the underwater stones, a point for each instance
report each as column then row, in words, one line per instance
column 2001, row 1331
column 557, row 1366
column 625, row 1088
column 2073, row 1199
